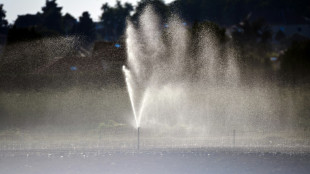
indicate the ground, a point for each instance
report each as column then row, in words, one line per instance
column 186, row 160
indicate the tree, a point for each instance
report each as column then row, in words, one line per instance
column 280, row 36
column 28, row 20
column 68, row 22
column 253, row 42
column 85, row 26
column 216, row 30
column 52, row 17
column 253, row 39
column 114, row 19
column 158, row 5
column 3, row 21
column 295, row 63
column 200, row 10
column 16, row 34
column 229, row 12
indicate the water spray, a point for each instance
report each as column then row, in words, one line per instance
column 130, row 92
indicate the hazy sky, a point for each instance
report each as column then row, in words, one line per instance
column 74, row 7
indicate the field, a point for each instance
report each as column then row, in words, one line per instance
column 189, row 160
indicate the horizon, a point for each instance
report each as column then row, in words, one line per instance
column 69, row 6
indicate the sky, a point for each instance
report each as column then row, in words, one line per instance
column 74, row 7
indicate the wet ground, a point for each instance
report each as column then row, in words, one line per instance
column 189, row 161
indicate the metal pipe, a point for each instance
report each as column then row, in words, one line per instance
column 234, row 137
column 138, row 138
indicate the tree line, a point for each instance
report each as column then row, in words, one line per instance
column 51, row 21
column 251, row 19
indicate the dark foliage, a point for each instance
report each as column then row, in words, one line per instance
column 52, row 16
column 3, row 21
column 228, row 12
column 16, row 34
column 280, row 36
column 295, row 65
column 69, row 23
column 85, row 27
column 158, row 6
column 28, row 20
column 253, row 40
column 217, row 31
column 114, row 20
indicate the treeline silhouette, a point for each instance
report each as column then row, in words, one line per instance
column 248, row 23
column 112, row 22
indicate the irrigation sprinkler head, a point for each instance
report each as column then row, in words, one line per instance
column 138, row 145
